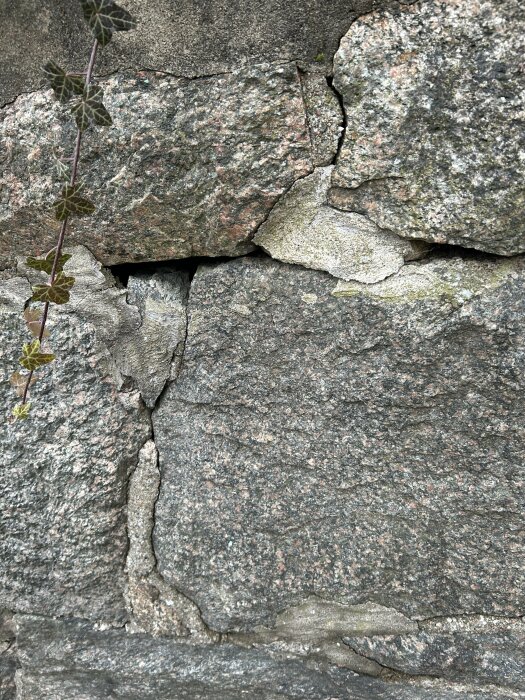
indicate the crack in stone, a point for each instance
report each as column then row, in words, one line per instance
column 344, row 121
column 156, row 606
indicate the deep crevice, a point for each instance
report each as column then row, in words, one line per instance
column 344, row 121
column 123, row 271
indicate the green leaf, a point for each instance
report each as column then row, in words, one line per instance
column 46, row 264
column 105, row 17
column 33, row 318
column 21, row 411
column 32, row 358
column 90, row 110
column 72, row 203
column 55, row 293
column 18, row 381
column 63, row 84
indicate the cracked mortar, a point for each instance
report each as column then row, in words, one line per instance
column 155, row 606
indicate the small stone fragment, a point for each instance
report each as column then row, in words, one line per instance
column 148, row 353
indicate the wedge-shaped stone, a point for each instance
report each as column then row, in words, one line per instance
column 434, row 98
column 359, row 448
column 303, row 229
column 481, row 654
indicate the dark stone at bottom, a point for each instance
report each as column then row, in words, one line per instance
column 69, row 660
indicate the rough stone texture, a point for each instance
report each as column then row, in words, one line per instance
column 71, row 661
column 484, row 658
column 316, row 628
column 188, row 167
column 434, row 97
column 359, row 448
column 303, row 229
column 185, row 38
column 154, row 606
column 325, row 117
column 8, row 661
column 156, row 347
column 64, row 472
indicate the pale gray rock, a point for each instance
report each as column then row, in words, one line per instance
column 63, row 489
column 69, row 660
column 434, row 98
column 155, row 607
column 154, row 350
column 184, row 38
column 304, row 230
column 358, row 448
column 189, row 167
column 315, row 629
column 325, row 117
column 317, row 618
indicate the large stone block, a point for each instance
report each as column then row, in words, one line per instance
column 361, row 447
column 64, row 471
column 186, row 37
column 189, row 167
column 72, row 661
column 434, row 98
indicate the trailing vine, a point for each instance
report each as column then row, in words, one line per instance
column 84, row 97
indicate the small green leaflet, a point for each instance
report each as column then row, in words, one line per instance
column 64, row 85
column 90, row 110
column 32, row 358
column 105, row 17
column 21, row 411
column 46, row 264
column 57, row 292
column 72, row 203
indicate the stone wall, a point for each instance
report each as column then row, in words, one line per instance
column 281, row 452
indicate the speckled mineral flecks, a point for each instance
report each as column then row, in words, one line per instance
column 434, row 99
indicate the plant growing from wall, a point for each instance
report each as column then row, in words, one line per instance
column 83, row 96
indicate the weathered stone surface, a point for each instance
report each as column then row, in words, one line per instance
column 64, row 472
column 185, row 38
column 8, row 662
column 476, row 657
column 155, row 349
column 71, row 661
column 154, row 606
column 434, row 97
column 303, row 229
column 188, row 167
column 316, row 629
column 360, row 449
column 325, row 117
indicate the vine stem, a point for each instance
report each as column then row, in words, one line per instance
column 63, row 229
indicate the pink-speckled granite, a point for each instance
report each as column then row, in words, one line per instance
column 189, row 167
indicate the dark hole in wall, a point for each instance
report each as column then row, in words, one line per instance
column 189, row 265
